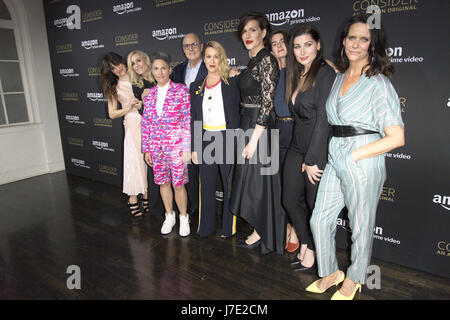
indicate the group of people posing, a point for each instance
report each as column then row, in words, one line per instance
column 335, row 123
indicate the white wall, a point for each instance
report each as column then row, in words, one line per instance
column 31, row 150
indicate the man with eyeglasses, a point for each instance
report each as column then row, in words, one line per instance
column 191, row 70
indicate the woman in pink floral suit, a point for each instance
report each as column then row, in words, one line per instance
column 166, row 140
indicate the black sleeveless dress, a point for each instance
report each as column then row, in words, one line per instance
column 139, row 91
column 255, row 195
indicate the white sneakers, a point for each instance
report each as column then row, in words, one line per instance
column 185, row 230
column 170, row 221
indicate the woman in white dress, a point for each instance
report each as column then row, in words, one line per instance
column 117, row 89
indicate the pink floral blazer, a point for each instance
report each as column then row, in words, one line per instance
column 171, row 131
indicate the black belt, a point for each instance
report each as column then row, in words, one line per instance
column 349, row 131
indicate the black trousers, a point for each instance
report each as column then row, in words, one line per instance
column 299, row 195
column 285, row 134
column 192, row 188
column 209, row 174
column 285, row 128
column 156, row 205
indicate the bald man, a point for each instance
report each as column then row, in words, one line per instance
column 191, row 70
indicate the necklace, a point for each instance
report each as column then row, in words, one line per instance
column 211, row 87
column 210, row 92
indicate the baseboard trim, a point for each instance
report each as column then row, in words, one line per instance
column 31, row 172
column 56, row 166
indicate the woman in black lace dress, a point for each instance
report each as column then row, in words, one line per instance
column 255, row 181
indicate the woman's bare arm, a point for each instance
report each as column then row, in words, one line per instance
column 115, row 113
column 395, row 137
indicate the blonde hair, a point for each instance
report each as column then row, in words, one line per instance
column 224, row 68
column 137, row 79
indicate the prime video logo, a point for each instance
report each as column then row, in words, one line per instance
column 125, row 8
column 100, row 145
column 91, row 44
column 95, row 96
column 164, row 34
column 283, row 17
column 79, row 163
column 74, row 119
column 68, row 73
column 345, row 224
column 443, row 201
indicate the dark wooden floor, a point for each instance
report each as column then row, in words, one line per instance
column 53, row 221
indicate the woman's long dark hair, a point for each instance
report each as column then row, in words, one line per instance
column 108, row 78
column 378, row 60
column 295, row 69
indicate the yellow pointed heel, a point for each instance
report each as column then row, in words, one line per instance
column 339, row 296
column 314, row 289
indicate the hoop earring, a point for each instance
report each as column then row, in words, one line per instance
column 342, row 53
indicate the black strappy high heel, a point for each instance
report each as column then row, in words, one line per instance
column 134, row 209
column 145, row 205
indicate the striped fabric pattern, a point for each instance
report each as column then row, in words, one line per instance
column 371, row 103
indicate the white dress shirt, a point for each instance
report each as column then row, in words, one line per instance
column 161, row 97
column 191, row 73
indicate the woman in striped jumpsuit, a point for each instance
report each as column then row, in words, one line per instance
column 364, row 110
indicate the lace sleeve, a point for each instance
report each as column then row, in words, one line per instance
column 269, row 73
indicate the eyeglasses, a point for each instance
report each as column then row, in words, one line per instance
column 192, row 46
